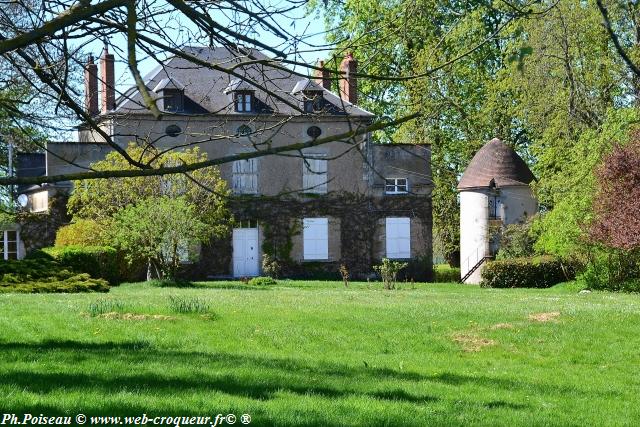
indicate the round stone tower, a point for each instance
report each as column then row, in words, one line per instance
column 494, row 191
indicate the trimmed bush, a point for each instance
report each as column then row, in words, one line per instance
column 98, row 261
column 538, row 272
column 262, row 281
column 42, row 274
column 444, row 273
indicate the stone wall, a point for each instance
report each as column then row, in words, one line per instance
column 358, row 221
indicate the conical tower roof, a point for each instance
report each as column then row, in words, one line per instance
column 498, row 163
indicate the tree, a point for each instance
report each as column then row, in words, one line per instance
column 616, row 222
column 459, row 112
column 160, row 230
column 100, row 199
column 154, row 219
column 548, row 85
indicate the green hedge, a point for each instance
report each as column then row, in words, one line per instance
column 98, row 261
column 43, row 274
column 444, row 273
column 538, row 272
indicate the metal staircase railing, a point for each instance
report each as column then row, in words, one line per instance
column 478, row 258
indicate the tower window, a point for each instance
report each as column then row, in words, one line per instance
column 396, row 186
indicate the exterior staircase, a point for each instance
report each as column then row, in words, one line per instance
column 475, row 260
column 475, row 267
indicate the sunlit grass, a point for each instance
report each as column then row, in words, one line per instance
column 317, row 353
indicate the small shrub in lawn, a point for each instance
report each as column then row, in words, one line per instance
column 538, row 272
column 271, row 266
column 171, row 283
column 101, row 306
column 262, row 281
column 186, row 305
column 389, row 270
column 344, row 272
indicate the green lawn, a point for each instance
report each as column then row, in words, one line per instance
column 315, row 353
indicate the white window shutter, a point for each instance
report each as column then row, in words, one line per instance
column 245, row 176
column 314, row 175
column 398, row 232
column 316, row 238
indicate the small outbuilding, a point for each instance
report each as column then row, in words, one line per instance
column 494, row 192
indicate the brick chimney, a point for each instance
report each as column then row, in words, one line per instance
column 349, row 82
column 91, row 87
column 107, row 75
column 322, row 77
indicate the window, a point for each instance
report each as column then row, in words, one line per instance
column 396, row 186
column 316, row 238
column 314, row 174
column 245, row 176
column 244, row 130
column 9, row 244
column 40, row 201
column 186, row 252
column 495, row 207
column 173, row 100
column 243, row 102
column 173, row 130
column 247, row 223
column 314, row 132
column 313, row 101
column 398, row 232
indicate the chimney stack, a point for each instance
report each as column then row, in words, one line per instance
column 108, row 88
column 322, row 77
column 91, row 87
column 348, row 81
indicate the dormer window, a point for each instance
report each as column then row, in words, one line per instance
column 313, row 101
column 243, row 102
column 173, row 100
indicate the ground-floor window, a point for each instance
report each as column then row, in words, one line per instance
column 10, row 244
column 316, row 238
column 398, row 231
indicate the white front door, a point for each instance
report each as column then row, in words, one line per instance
column 245, row 252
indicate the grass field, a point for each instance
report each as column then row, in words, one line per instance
column 315, row 353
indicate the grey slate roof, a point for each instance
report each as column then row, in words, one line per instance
column 498, row 163
column 210, row 88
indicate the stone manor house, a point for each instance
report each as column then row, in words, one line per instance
column 349, row 202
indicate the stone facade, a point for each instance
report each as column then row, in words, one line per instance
column 354, row 199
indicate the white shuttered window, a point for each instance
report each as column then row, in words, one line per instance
column 245, row 176
column 398, row 237
column 316, row 238
column 314, row 174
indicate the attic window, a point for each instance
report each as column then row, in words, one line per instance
column 173, row 100
column 243, row 102
column 313, row 101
